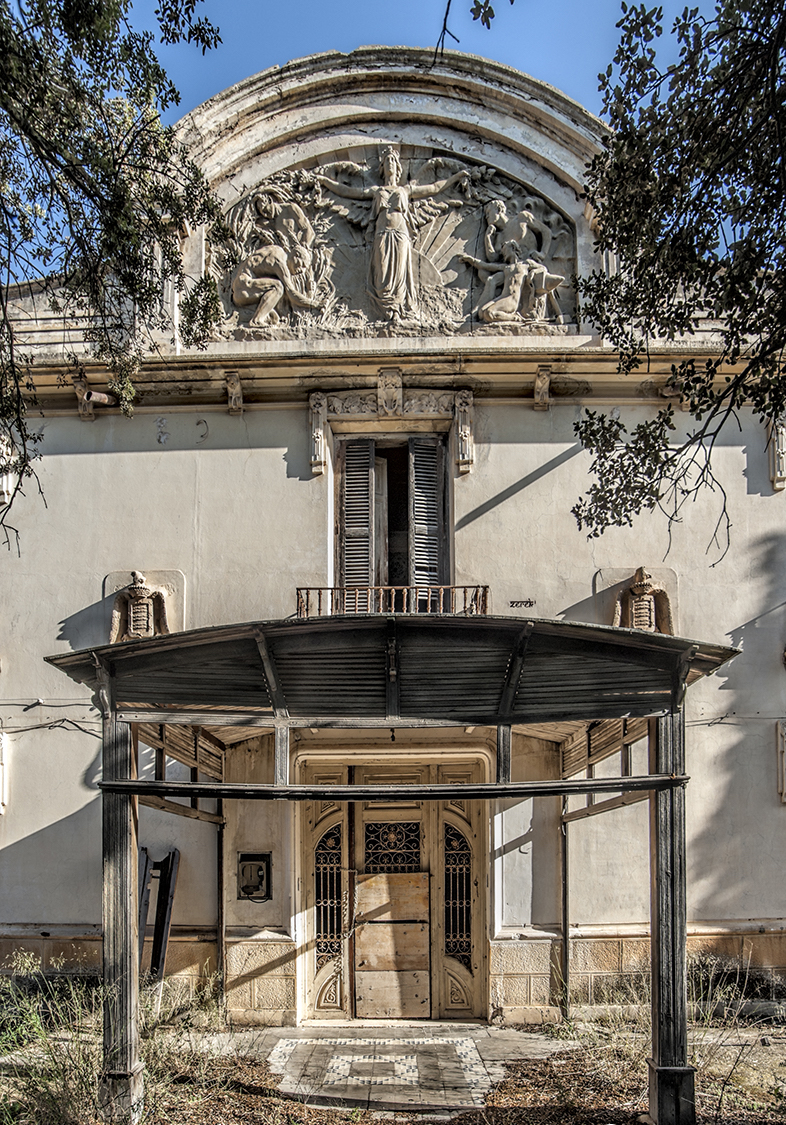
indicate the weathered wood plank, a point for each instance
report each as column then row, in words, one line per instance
column 393, row 995
column 392, row 897
column 161, row 803
column 394, row 946
column 121, row 1084
column 605, row 806
column 671, row 1087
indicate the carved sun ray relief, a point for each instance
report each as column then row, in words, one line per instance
column 411, row 242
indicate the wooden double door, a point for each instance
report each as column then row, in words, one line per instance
column 394, row 902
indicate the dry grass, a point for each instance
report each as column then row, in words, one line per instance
column 597, row 1075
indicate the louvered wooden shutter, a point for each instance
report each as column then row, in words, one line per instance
column 427, row 554
column 357, row 513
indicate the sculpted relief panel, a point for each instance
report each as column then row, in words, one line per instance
column 406, row 242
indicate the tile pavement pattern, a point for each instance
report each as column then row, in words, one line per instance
column 403, row 1070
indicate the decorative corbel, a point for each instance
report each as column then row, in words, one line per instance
column 318, row 419
column 83, row 399
column 672, row 389
column 234, row 392
column 542, row 399
column 9, row 479
column 465, row 444
column 390, row 395
column 777, row 446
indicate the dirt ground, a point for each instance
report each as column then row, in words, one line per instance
column 741, row 1078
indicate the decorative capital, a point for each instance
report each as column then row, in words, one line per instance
column 465, row 442
column 84, row 405
column 777, row 447
column 318, row 421
column 542, row 387
column 390, row 395
column 234, row 392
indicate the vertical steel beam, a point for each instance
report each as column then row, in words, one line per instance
column 281, row 756
column 671, row 1080
column 503, row 754
column 565, row 950
column 121, row 1087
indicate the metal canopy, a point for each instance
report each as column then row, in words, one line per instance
column 410, row 669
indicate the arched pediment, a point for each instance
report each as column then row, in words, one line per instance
column 376, row 194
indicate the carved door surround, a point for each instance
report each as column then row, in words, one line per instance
column 392, row 408
column 396, row 927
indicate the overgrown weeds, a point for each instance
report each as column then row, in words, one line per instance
column 51, row 1043
column 739, row 1058
column 50, row 1035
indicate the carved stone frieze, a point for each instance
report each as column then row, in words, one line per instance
column 391, row 401
column 428, row 402
column 379, row 245
column 353, row 402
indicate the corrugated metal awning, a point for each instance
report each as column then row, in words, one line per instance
column 398, row 668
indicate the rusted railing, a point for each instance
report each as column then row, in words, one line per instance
column 329, row 601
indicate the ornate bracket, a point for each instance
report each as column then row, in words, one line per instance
column 85, row 406
column 234, row 392
column 10, row 478
column 542, row 387
column 318, row 419
column 777, row 447
column 465, row 442
column 390, row 396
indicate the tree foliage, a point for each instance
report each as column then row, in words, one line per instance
column 94, row 191
column 690, row 198
column 690, row 193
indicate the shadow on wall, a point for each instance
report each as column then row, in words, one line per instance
column 512, row 490
column 88, row 626
column 599, row 608
column 52, row 877
column 736, row 856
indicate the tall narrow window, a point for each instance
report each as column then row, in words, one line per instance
column 327, row 897
column 458, row 897
column 392, row 525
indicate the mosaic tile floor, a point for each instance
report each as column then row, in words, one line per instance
column 438, row 1068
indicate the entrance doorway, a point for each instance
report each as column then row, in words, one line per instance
column 394, row 896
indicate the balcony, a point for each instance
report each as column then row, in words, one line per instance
column 332, row 601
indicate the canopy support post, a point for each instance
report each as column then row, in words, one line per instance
column 121, row 1085
column 503, row 754
column 671, row 1079
column 281, row 755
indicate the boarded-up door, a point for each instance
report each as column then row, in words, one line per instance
column 392, row 946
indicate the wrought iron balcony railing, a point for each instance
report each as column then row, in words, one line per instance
column 329, row 601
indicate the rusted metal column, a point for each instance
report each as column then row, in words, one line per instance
column 121, row 1087
column 671, row 1080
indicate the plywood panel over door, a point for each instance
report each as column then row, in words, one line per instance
column 392, row 946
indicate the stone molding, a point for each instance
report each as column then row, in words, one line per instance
column 392, row 403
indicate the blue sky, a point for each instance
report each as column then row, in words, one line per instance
column 564, row 42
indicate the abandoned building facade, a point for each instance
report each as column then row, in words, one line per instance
column 412, row 744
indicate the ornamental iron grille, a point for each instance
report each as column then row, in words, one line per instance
column 327, row 868
column 458, row 889
column 392, row 846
